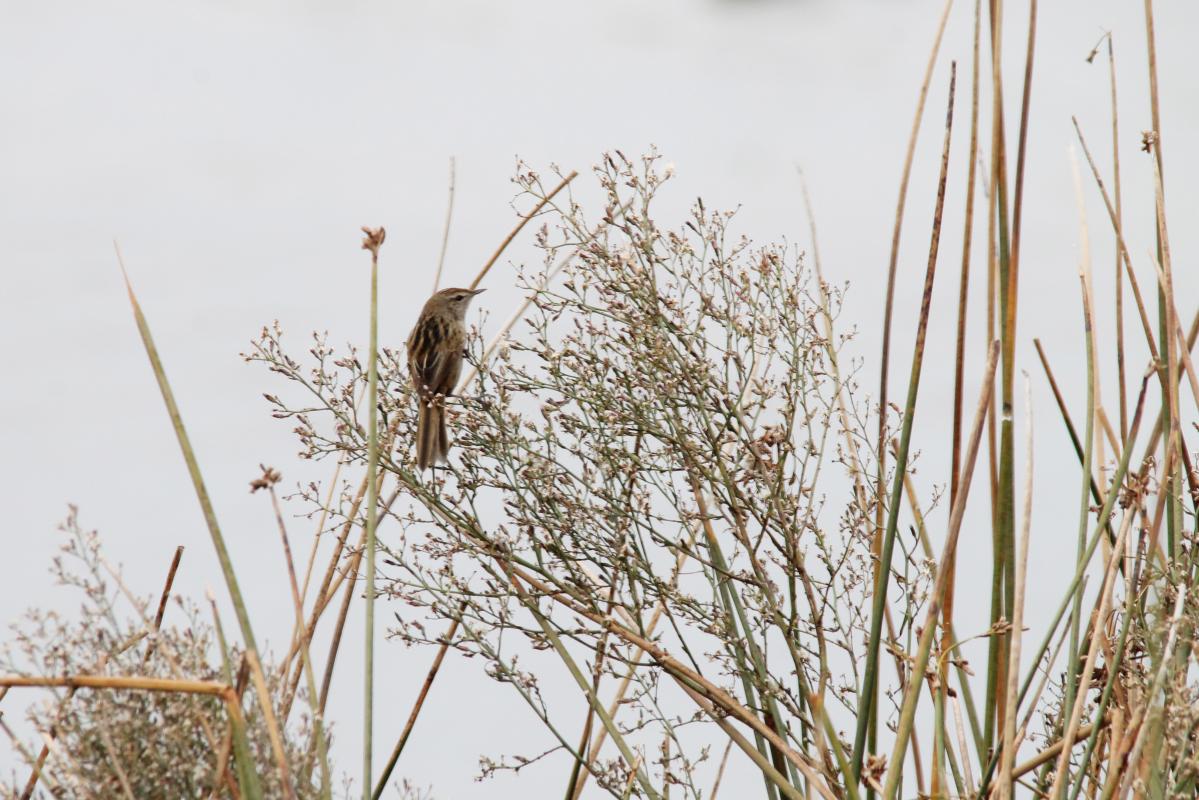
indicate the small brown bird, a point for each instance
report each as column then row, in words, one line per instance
column 435, row 351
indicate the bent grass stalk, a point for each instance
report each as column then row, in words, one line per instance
column 218, row 541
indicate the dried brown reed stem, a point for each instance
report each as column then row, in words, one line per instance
column 381, row 784
column 27, row 756
column 162, row 600
column 724, row 759
column 301, row 631
column 316, row 536
column 778, row 779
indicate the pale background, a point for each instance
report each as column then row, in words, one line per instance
column 234, row 149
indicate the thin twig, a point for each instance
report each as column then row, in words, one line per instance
column 523, row 220
column 445, row 234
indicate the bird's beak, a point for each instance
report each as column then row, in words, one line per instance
column 477, row 291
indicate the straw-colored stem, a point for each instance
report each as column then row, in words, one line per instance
column 445, row 233
column 214, row 688
column 1072, row 676
column 1120, row 362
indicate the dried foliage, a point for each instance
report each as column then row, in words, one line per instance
column 112, row 743
column 652, row 446
column 668, row 495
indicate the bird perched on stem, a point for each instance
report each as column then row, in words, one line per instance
column 435, row 352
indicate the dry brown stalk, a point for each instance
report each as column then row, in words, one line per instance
column 381, row 785
column 162, row 600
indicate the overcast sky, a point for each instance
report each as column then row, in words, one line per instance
column 236, row 148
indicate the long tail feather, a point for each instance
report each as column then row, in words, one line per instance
column 431, row 438
column 443, row 439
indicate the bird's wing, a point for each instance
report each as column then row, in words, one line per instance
column 431, row 362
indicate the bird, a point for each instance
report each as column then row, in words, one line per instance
column 435, row 353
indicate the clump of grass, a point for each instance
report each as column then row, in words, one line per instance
column 134, row 742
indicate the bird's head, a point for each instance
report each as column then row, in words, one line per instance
column 455, row 301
